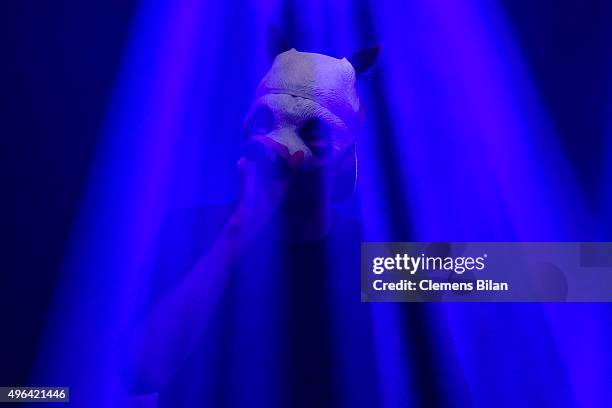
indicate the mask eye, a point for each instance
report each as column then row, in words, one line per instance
column 261, row 122
column 317, row 136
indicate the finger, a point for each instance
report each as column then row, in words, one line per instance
column 276, row 147
column 255, row 150
column 248, row 177
column 296, row 160
column 241, row 163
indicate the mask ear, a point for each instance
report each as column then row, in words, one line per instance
column 363, row 60
column 276, row 43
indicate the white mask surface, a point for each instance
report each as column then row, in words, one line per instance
column 308, row 102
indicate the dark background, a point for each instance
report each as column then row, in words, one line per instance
column 61, row 60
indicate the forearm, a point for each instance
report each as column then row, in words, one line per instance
column 159, row 345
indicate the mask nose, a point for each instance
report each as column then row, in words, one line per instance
column 262, row 148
